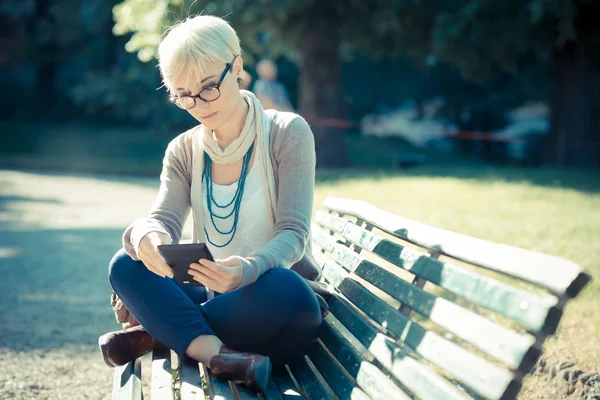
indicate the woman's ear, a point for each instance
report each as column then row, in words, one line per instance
column 238, row 66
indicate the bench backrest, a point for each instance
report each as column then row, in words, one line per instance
column 475, row 330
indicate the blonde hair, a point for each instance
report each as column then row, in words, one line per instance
column 194, row 43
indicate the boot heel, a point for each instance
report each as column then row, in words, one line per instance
column 103, row 350
column 261, row 377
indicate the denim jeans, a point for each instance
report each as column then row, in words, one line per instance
column 278, row 315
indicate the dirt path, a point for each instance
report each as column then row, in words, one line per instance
column 57, row 235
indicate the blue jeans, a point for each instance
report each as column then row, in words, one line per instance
column 278, row 315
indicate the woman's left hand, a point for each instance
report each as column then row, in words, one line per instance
column 221, row 276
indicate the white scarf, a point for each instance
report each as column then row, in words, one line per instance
column 257, row 125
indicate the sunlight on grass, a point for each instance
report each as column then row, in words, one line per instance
column 538, row 210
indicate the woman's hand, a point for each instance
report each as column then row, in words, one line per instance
column 221, row 276
column 150, row 256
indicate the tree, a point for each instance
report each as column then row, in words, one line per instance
column 312, row 32
column 479, row 37
column 483, row 36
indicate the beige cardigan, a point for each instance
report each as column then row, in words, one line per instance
column 292, row 153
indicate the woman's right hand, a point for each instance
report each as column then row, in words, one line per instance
column 150, row 256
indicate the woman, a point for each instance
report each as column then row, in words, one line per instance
column 247, row 176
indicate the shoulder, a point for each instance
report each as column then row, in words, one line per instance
column 288, row 123
column 290, row 133
column 183, row 141
column 180, row 149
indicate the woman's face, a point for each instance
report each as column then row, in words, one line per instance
column 215, row 113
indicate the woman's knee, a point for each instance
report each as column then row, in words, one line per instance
column 122, row 268
column 282, row 277
column 287, row 286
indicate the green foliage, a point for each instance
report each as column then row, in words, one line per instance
column 479, row 37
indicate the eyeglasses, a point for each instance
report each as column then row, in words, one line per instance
column 211, row 93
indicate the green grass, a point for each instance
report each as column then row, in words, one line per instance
column 82, row 148
column 550, row 211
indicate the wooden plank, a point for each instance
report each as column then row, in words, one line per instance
column 472, row 370
column 343, row 387
column 538, row 313
column 241, row 392
column 368, row 377
column 397, row 323
column 217, row 389
column 191, row 383
column 272, row 392
column 558, row 275
column 487, row 335
column 162, row 382
column 127, row 381
column 285, row 384
column 403, row 364
column 310, row 385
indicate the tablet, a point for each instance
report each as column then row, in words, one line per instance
column 180, row 256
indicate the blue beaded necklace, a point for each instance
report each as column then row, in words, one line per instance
column 236, row 200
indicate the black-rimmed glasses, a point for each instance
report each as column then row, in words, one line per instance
column 211, row 93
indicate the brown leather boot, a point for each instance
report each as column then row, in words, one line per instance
column 120, row 347
column 251, row 370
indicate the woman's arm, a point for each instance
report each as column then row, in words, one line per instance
column 295, row 155
column 172, row 205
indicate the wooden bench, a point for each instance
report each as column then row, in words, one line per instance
column 417, row 312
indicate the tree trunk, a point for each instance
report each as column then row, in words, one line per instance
column 45, row 56
column 574, row 137
column 320, row 87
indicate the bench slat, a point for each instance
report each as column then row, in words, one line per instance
column 558, row 275
column 217, row 388
column 243, row 393
column 538, row 313
column 343, row 387
column 191, row 383
column 127, row 381
column 479, row 374
column 412, row 374
column 272, row 392
column 515, row 351
column 368, row 377
column 284, row 384
column 162, row 382
column 489, row 336
column 307, row 379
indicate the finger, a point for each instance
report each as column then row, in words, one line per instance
column 208, row 271
column 228, row 262
column 214, row 267
column 205, row 280
column 165, row 268
column 158, row 263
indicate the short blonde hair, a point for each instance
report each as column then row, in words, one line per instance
column 196, row 42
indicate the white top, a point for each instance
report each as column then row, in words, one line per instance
column 254, row 228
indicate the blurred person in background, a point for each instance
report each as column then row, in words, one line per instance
column 247, row 176
column 268, row 90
